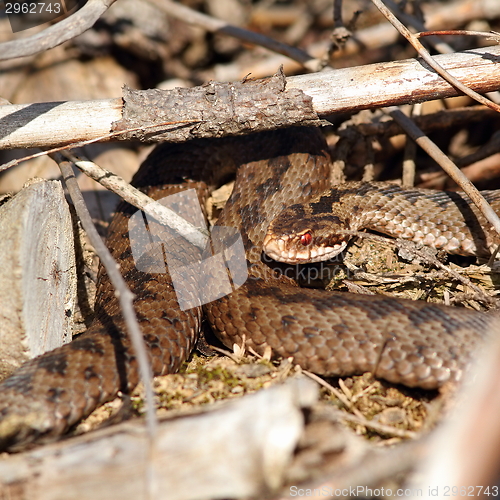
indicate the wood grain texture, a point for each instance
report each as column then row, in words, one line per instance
column 38, row 276
column 239, row 449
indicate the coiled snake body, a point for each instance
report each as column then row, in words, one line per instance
column 413, row 343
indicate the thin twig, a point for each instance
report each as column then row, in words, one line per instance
column 125, row 296
column 213, row 25
column 410, row 153
column 80, row 144
column 58, row 33
column 195, row 235
column 358, row 417
column 376, row 426
column 485, row 151
column 489, row 35
column 341, row 397
column 448, row 166
column 340, row 34
column 444, row 118
column 229, row 354
column 436, row 42
column 424, row 54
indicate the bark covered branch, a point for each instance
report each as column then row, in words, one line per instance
column 218, row 109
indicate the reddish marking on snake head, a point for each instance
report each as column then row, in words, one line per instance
column 306, row 239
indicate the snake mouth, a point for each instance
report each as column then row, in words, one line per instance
column 286, row 251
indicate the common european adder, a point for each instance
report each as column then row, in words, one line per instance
column 409, row 342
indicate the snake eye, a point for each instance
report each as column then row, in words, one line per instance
column 306, row 239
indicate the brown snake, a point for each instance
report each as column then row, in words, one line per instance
column 413, row 343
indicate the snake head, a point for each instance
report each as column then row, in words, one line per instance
column 295, row 237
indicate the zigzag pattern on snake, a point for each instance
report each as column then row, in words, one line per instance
column 413, row 343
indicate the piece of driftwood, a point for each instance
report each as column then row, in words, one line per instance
column 319, row 95
column 37, row 274
column 238, row 450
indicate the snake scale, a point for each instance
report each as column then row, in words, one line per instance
column 412, row 343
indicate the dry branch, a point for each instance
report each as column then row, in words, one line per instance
column 317, row 96
column 125, row 296
column 58, row 33
column 424, row 54
column 116, row 184
column 239, row 450
column 56, row 123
